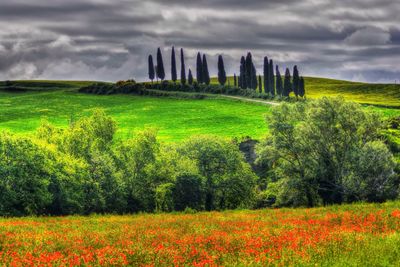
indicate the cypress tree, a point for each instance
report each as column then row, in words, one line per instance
column 173, row 66
column 287, row 85
column 151, row 68
column 266, row 76
column 183, row 68
column 271, row 78
column 190, row 78
column 221, row 71
column 279, row 88
column 239, row 82
column 206, row 74
column 156, row 71
column 249, row 71
column 235, row 80
column 296, row 81
column 199, row 69
column 260, row 83
column 302, row 91
column 242, row 75
column 254, row 81
column 160, row 65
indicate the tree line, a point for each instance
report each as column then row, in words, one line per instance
column 316, row 153
column 271, row 83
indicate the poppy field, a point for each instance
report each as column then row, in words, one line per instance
column 360, row 234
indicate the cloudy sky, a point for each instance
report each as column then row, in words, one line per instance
column 110, row 40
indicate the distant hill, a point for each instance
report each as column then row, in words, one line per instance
column 364, row 93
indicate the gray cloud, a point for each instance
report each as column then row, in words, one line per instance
column 110, row 40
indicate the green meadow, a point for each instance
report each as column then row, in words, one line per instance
column 176, row 119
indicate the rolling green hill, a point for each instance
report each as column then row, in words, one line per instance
column 364, row 93
column 22, row 109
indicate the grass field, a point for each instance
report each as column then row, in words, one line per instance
column 350, row 235
column 364, row 93
column 176, row 119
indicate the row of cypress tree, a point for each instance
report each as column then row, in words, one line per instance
column 272, row 79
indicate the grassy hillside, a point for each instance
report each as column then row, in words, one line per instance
column 349, row 235
column 22, row 110
column 364, row 93
column 176, row 119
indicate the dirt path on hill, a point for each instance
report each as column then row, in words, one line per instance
column 269, row 103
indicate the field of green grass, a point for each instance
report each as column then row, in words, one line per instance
column 176, row 119
column 363, row 93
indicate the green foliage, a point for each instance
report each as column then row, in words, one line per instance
column 189, row 192
column 24, row 177
column 229, row 181
column 164, row 197
column 327, row 150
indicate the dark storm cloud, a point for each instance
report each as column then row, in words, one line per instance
column 110, row 40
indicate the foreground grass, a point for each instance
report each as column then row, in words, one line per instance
column 350, row 235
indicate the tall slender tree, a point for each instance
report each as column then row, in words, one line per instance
column 206, row 74
column 199, row 69
column 173, row 66
column 287, row 85
column 156, row 71
column 302, row 90
column 190, row 78
column 254, row 81
column 160, row 65
column 221, row 71
column 242, row 75
column 235, row 80
column 266, row 75
column 151, row 69
column 260, row 85
column 279, row 86
column 296, row 81
column 183, row 68
column 249, row 71
column 271, row 77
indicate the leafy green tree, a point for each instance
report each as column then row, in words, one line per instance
column 327, row 151
column 24, row 177
column 164, row 197
column 206, row 74
column 260, row 85
column 190, row 77
column 225, row 171
column 160, row 65
column 151, row 69
column 173, row 66
column 189, row 192
column 183, row 68
column 221, row 71
column 136, row 160
column 199, row 69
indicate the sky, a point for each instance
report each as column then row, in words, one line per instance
column 110, row 40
